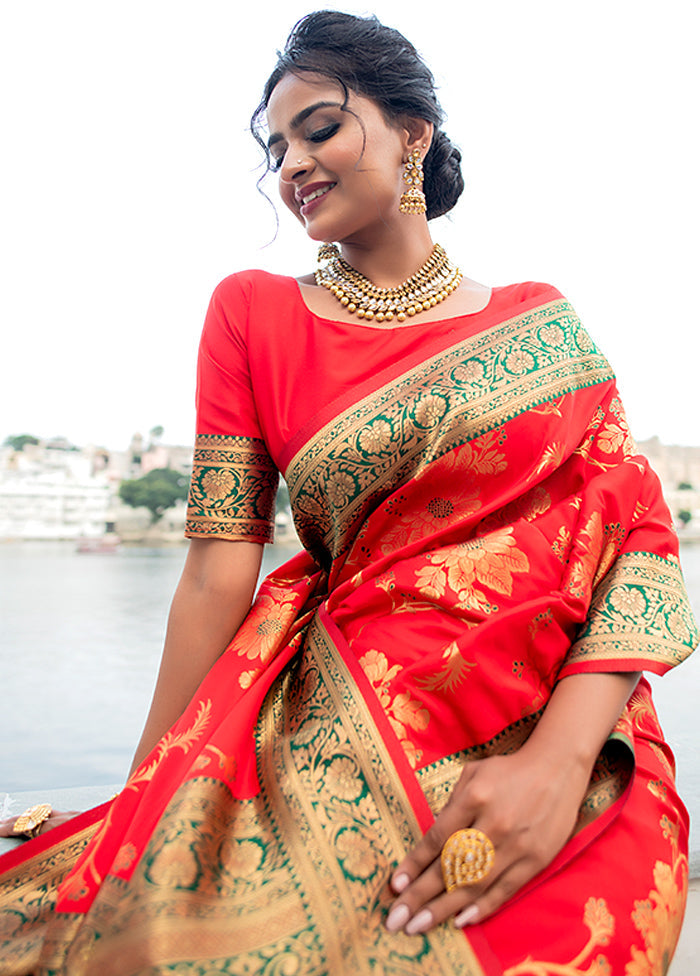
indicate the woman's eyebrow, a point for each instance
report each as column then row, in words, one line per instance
column 302, row 117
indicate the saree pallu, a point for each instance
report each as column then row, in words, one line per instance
column 477, row 525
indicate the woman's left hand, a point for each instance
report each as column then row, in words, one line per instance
column 526, row 804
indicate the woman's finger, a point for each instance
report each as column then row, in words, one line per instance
column 457, row 814
column 503, row 888
column 425, row 902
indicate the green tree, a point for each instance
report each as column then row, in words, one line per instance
column 17, row 441
column 685, row 486
column 157, row 491
column 684, row 516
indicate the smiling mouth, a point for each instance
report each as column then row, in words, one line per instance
column 316, row 194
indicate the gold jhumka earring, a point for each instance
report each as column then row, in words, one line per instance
column 413, row 199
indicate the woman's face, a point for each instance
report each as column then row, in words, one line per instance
column 340, row 171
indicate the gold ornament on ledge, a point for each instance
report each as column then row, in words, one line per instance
column 29, row 823
column 413, row 199
column 425, row 289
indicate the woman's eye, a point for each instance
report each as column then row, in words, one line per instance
column 320, row 135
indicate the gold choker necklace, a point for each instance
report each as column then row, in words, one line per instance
column 429, row 286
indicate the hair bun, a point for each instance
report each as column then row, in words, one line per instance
column 443, row 175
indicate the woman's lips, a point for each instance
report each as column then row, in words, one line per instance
column 314, row 195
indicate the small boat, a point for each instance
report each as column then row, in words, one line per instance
column 103, row 543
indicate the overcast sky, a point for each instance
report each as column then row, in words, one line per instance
column 128, row 189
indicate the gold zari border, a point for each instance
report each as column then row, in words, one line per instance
column 293, row 880
column 639, row 611
column 455, row 396
column 27, row 900
column 232, row 491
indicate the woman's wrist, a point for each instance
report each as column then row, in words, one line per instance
column 580, row 715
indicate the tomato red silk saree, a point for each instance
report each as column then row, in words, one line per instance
column 477, row 524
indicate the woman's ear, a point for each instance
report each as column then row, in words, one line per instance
column 418, row 135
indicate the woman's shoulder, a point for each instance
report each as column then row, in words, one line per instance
column 522, row 292
column 253, row 280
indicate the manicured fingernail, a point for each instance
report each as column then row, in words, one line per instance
column 420, row 922
column 400, row 882
column 467, row 917
column 397, row 917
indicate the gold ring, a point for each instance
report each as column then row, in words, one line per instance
column 29, row 822
column 466, row 858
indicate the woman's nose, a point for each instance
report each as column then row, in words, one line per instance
column 294, row 167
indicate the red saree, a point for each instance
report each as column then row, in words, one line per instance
column 477, row 525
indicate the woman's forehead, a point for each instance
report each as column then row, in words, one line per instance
column 295, row 91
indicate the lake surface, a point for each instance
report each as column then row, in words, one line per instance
column 81, row 637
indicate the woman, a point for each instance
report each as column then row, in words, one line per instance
column 427, row 748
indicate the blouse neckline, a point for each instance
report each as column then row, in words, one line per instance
column 393, row 325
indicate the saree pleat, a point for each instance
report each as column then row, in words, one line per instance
column 477, row 524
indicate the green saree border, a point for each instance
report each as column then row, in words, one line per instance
column 232, row 489
column 453, row 397
column 348, row 821
column 639, row 611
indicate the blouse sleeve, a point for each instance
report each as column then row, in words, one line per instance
column 234, row 480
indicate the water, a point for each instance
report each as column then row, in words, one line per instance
column 81, row 638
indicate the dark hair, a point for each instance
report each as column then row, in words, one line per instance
column 364, row 56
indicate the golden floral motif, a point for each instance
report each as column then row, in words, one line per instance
column 436, row 515
column 616, row 437
column 218, row 482
column 267, row 622
column 248, row 678
column 490, row 561
column 429, row 410
column 340, row 488
column 519, row 361
column 678, row 626
column 659, row 917
column 540, row 622
column 550, row 407
column 342, row 779
column 184, row 740
column 440, row 508
column 227, row 765
column 358, row 859
column 403, row 711
column 552, row 457
column 240, row 857
column 640, row 511
column 483, row 455
column 628, row 601
column 452, row 674
column 584, row 341
column 562, row 543
column 528, row 507
column 472, row 371
column 126, row 855
column 376, row 437
column 552, row 335
column 584, row 559
column 601, row 926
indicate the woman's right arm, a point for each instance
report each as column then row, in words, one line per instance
column 212, row 598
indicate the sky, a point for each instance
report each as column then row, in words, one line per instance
column 128, row 189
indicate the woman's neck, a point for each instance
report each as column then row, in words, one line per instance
column 393, row 259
